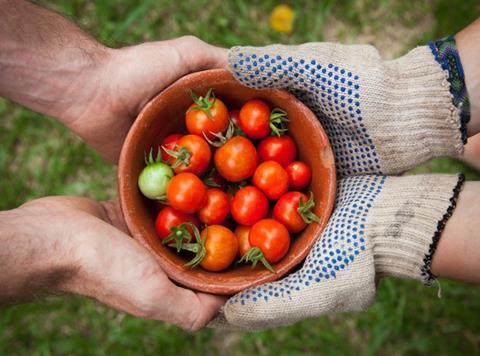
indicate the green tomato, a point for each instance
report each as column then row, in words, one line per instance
column 153, row 180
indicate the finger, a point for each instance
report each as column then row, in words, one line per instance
column 119, row 272
column 188, row 309
column 113, row 215
column 212, row 305
column 197, row 55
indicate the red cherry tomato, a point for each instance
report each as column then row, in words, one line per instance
column 237, row 159
column 249, row 205
column 271, row 179
column 280, row 149
column 235, row 116
column 286, row 211
column 169, row 217
column 208, row 116
column 186, row 193
column 254, row 119
column 221, row 248
column 299, row 175
column 216, row 208
column 271, row 237
column 169, row 143
column 194, row 155
column 241, row 232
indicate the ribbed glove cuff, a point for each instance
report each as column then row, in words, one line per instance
column 418, row 119
column 406, row 222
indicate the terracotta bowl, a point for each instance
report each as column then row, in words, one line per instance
column 164, row 115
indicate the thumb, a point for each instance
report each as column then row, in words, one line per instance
column 197, row 55
column 191, row 310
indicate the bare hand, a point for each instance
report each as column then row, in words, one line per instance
column 88, row 239
column 128, row 78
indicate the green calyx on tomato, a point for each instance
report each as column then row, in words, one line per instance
column 179, row 236
column 150, row 160
column 198, row 248
column 239, row 132
column 221, row 138
column 203, row 103
column 234, row 187
column 209, row 179
column 181, row 155
column 254, row 255
column 305, row 210
column 155, row 176
column 278, row 122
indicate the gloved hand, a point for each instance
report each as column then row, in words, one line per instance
column 382, row 117
column 381, row 226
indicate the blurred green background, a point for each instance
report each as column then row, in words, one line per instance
column 39, row 157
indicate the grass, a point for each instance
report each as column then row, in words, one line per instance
column 39, row 157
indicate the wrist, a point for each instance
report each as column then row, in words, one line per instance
column 85, row 96
column 34, row 260
column 468, row 46
column 46, row 62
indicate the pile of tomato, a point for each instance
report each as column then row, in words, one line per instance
column 235, row 177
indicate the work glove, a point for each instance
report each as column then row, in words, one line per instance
column 382, row 118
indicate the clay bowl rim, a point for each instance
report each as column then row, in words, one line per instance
column 180, row 276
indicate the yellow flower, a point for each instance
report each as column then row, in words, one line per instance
column 281, row 19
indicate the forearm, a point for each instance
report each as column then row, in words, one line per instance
column 468, row 43
column 47, row 63
column 458, row 252
column 32, row 263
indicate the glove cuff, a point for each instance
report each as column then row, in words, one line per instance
column 420, row 120
column 406, row 223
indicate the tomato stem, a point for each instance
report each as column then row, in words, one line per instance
column 234, row 187
column 150, row 160
column 181, row 155
column 222, row 139
column 197, row 248
column 278, row 122
column 178, row 234
column 305, row 210
column 162, row 199
column 203, row 103
column 255, row 255
column 208, row 180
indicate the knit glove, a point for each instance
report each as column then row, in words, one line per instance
column 381, row 226
column 382, row 117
